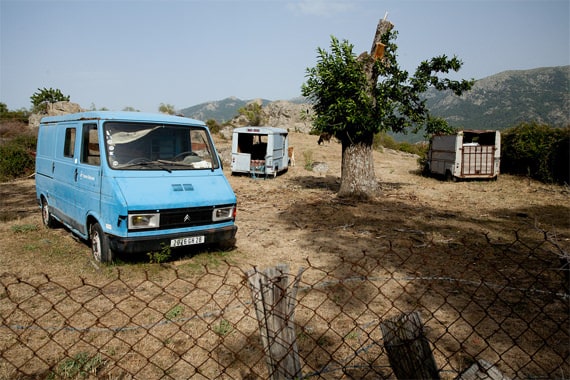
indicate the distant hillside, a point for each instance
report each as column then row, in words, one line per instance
column 220, row 110
column 499, row 101
column 508, row 98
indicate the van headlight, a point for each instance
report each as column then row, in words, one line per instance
column 223, row 213
column 139, row 221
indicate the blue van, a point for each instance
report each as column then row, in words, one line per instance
column 133, row 182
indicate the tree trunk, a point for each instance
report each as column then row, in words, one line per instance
column 358, row 179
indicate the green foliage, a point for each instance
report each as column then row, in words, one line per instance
column 24, row 228
column 338, row 88
column 223, row 328
column 213, row 126
column 252, row 112
column 167, row 109
column 383, row 140
column 17, row 157
column 21, row 115
column 308, row 160
column 161, row 256
column 350, row 110
column 81, row 366
column 175, row 312
column 43, row 96
column 536, row 150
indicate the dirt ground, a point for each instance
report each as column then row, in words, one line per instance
column 439, row 227
column 297, row 215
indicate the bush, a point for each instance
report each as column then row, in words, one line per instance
column 17, row 157
column 382, row 140
column 213, row 126
column 538, row 151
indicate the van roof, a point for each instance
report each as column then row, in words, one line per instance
column 260, row 130
column 122, row 116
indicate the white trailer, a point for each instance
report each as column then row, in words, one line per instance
column 465, row 155
column 260, row 151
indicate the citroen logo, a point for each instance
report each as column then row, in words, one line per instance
column 186, row 218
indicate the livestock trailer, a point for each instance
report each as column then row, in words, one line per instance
column 468, row 154
column 260, row 151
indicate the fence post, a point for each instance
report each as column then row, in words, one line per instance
column 274, row 305
column 408, row 349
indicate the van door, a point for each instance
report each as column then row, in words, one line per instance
column 88, row 178
column 63, row 198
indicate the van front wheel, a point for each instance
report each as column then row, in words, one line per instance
column 100, row 245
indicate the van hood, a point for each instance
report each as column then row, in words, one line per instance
column 158, row 193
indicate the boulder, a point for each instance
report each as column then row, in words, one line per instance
column 54, row 109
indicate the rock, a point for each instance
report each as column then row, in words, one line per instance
column 287, row 115
column 281, row 114
column 54, row 109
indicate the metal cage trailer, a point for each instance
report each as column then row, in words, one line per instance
column 260, row 151
column 468, row 154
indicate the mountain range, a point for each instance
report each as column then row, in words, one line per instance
column 499, row 101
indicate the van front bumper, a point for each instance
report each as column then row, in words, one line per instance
column 154, row 243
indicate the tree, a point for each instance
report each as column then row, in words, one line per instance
column 43, row 96
column 253, row 113
column 355, row 98
column 167, row 109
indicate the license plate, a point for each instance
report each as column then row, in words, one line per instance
column 186, row 241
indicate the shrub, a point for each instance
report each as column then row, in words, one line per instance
column 17, row 157
column 382, row 140
column 213, row 126
column 536, row 150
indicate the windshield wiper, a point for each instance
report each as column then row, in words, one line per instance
column 158, row 163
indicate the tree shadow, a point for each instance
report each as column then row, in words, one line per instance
column 480, row 282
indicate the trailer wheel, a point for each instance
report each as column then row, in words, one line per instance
column 100, row 245
column 47, row 217
column 450, row 177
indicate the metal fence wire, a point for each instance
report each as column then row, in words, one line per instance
column 506, row 303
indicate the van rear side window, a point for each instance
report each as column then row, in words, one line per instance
column 69, row 146
column 90, row 152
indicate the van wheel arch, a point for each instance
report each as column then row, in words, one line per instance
column 47, row 217
column 100, row 245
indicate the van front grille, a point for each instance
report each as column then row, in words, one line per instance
column 189, row 217
column 186, row 217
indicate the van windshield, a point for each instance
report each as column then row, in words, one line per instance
column 149, row 146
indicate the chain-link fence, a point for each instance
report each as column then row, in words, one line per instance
column 506, row 303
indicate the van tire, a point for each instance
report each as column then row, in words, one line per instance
column 100, row 244
column 47, row 218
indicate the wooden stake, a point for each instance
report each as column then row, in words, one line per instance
column 408, row 349
column 274, row 303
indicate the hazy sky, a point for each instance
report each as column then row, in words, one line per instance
column 140, row 53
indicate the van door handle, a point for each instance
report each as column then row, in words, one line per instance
column 75, row 174
column 52, row 167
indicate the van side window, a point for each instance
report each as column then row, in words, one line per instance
column 69, row 146
column 90, row 153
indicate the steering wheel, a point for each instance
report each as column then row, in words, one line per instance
column 183, row 155
column 138, row 160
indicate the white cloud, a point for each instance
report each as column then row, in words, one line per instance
column 322, row 7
